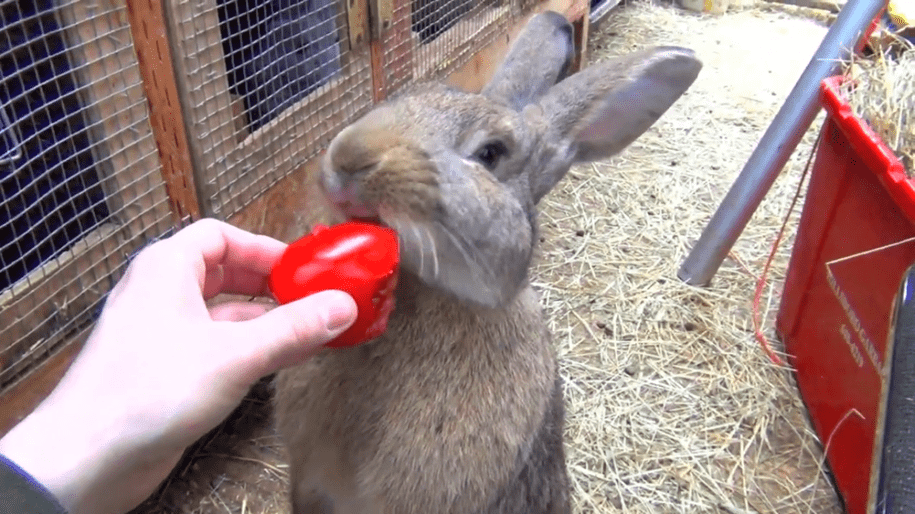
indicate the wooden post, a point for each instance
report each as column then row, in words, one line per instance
column 147, row 23
column 392, row 46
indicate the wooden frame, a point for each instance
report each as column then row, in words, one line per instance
column 154, row 55
column 392, row 40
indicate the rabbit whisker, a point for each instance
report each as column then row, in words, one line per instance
column 419, row 240
column 466, row 249
column 434, row 251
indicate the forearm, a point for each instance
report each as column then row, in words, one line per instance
column 57, row 452
column 89, row 462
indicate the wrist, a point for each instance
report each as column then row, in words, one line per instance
column 58, row 451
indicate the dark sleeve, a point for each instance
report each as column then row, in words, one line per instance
column 21, row 494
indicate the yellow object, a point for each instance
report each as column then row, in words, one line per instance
column 709, row 6
column 901, row 12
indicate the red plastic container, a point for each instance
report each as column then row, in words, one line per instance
column 840, row 291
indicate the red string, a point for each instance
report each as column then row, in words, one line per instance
column 761, row 282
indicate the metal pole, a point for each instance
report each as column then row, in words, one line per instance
column 777, row 144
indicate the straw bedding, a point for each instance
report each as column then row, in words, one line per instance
column 881, row 91
column 673, row 406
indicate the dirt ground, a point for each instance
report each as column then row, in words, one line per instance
column 672, row 405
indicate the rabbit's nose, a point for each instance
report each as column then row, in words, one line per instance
column 344, row 190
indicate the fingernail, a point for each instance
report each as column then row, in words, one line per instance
column 339, row 316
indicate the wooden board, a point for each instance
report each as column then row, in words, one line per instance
column 147, row 22
column 203, row 87
column 22, row 398
column 392, row 52
column 357, row 19
column 37, row 312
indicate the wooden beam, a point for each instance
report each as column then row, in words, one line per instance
column 203, row 93
column 357, row 13
column 392, row 48
column 580, row 27
column 154, row 55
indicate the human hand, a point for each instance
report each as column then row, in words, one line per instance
column 160, row 369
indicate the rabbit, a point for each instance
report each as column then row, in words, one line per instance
column 458, row 407
column 299, row 52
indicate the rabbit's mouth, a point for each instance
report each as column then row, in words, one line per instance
column 346, row 199
column 360, row 212
column 355, row 211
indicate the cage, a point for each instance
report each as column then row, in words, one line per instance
column 79, row 174
column 121, row 122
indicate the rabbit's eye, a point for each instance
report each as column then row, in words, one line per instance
column 490, row 154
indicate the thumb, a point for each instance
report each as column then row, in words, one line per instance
column 288, row 334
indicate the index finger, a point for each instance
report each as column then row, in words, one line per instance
column 218, row 243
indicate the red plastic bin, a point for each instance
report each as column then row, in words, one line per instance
column 840, row 292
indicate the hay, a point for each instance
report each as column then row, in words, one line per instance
column 881, row 91
column 672, row 404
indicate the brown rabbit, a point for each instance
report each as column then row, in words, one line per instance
column 458, row 407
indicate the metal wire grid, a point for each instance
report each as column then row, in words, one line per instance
column 444, row 35
column 78, row 171
column 269, row 82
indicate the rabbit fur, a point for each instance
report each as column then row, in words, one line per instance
column 458, row 407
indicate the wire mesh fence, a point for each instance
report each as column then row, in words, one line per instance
column 268, row 83
column 78, row 171
column 447, row 33
column 430, row 39
column 263, row 86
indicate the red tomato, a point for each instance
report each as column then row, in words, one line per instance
column 356, row 257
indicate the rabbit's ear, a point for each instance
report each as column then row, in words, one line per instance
column 539, row 58
column 602, row 109
column 655, row 81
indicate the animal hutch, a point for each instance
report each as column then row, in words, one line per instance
column 122, row 121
